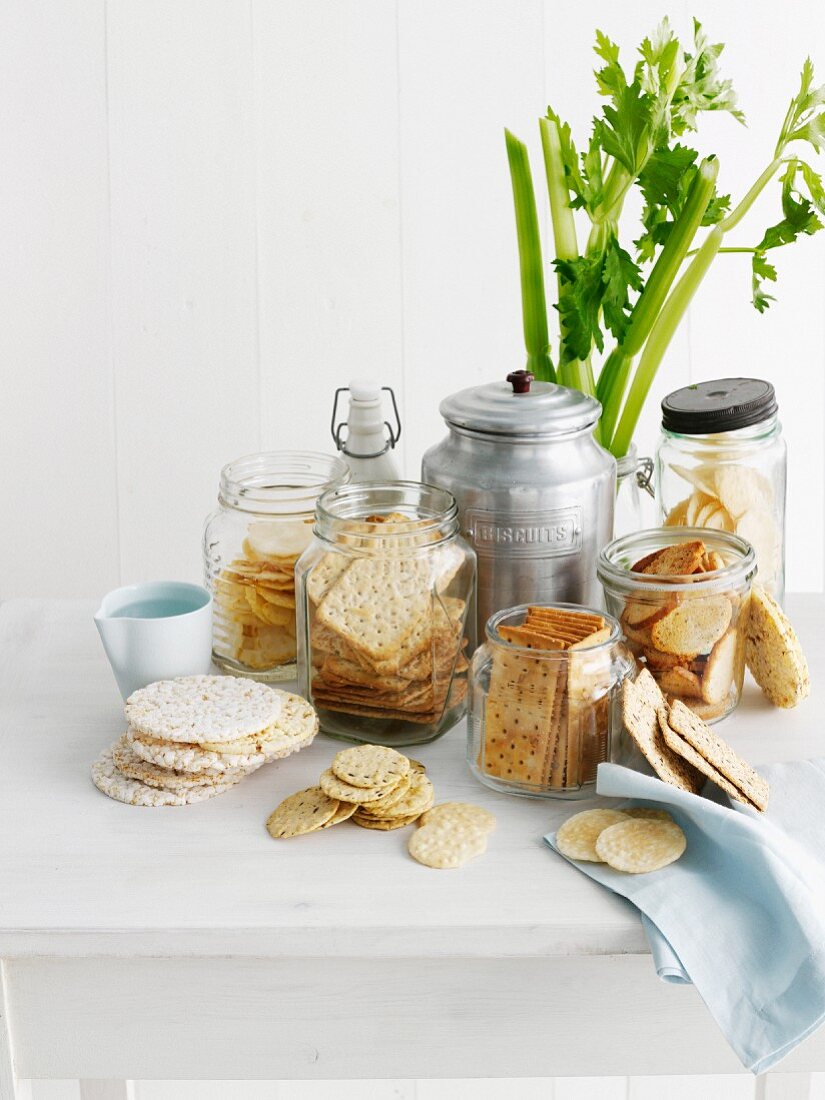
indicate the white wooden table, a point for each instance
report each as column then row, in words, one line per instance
column 185, row 943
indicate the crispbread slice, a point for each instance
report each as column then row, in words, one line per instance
column 720, row 669
column 773, row 653
column 684, row 749
column 680, row 681
column 718, row 754
column 693, row 627
column 678, row 560
column 640, row 702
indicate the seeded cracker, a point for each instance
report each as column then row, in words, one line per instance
column 640, row 702
column 415, row 802
column 773, row 653
column 576, row 838
column 203, row 708
column 301, row 813
column 346, row 792
column 640, row 846
column 370, row 766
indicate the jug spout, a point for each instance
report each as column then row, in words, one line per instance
column 114, row 634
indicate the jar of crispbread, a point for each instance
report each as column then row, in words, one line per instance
column 681, row 596
column 386, row 613
column 721, row 465
column 544, row 699
column 266, row 508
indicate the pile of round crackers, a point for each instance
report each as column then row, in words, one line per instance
column 733, row 498
column 255, row 596
column 635, row 840
column 379, row 788
column 195, row 737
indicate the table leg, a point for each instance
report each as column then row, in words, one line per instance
column 10, row 1085
column 104, row 1089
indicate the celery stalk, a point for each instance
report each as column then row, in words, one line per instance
column 534, row 306
column 661, row 334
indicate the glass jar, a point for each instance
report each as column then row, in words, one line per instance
column 721, row 463
column 386, row 606
column 689, row 630
column 542, row 720
column 263, row 523
column 634, row 494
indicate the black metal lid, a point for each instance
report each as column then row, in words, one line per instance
column 722, row 405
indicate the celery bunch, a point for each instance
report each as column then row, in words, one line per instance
column 636, row 300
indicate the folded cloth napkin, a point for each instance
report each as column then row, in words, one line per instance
column 742, row 913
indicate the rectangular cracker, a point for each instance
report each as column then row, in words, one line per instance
column 719, row 755
column 519, row 717
column 679, row 745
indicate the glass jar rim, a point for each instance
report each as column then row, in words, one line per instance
column 280, row 481
column 497, row 620
column 736, row 437
column 350, row 504
column 615, row 575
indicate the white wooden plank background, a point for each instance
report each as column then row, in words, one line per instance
column 214, row 211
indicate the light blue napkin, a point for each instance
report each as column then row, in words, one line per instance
column 742, row 913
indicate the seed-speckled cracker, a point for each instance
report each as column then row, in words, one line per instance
column 383, row 824
column 346, row 792
column 203, row 708
column 576, row 838
column 640, row 845
column 773, row 653
column 640, row 703
column 417, row 799
column 303, row 812
column 370, row 766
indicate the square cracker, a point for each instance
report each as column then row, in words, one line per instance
column 687, row 752
column 641, row 700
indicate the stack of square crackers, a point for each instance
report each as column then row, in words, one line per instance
column 682, row 749
column 546, row 717
column 197, row 736
column 255, row 596
column 387, row 639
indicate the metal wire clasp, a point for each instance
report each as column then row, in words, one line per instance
column 336, row 429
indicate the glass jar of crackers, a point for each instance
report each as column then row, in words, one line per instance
column 266, row 507
column 681, row 596
column 721, row 464
column 385, row 613
column 544, row 699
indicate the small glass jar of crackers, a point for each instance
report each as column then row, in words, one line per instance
column 266, row 508
column 721, row 465
column 544, row 699
column 386, row 606
column 681, row 596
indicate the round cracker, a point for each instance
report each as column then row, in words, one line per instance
column 384, row 824
column 203, row 708
column 130, row 764
column 648, row 813
column 303, row 812
column 370, row 766
column 396, row 794
column 576, row 838
column 343, row 813
column 345, row 792
column 442, row 846
column 193, row 758
column 413, row 803
column 640, row 845
column 113, row 783
column 460, row 813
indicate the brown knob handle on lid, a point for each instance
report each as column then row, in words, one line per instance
column 520, row 380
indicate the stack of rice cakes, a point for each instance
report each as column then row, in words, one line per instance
column 255, row 596
column 197, row 736
column 387, row 642
column 546, row 718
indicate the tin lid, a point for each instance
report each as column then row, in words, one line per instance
column 544, row 409
column 722, row 405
